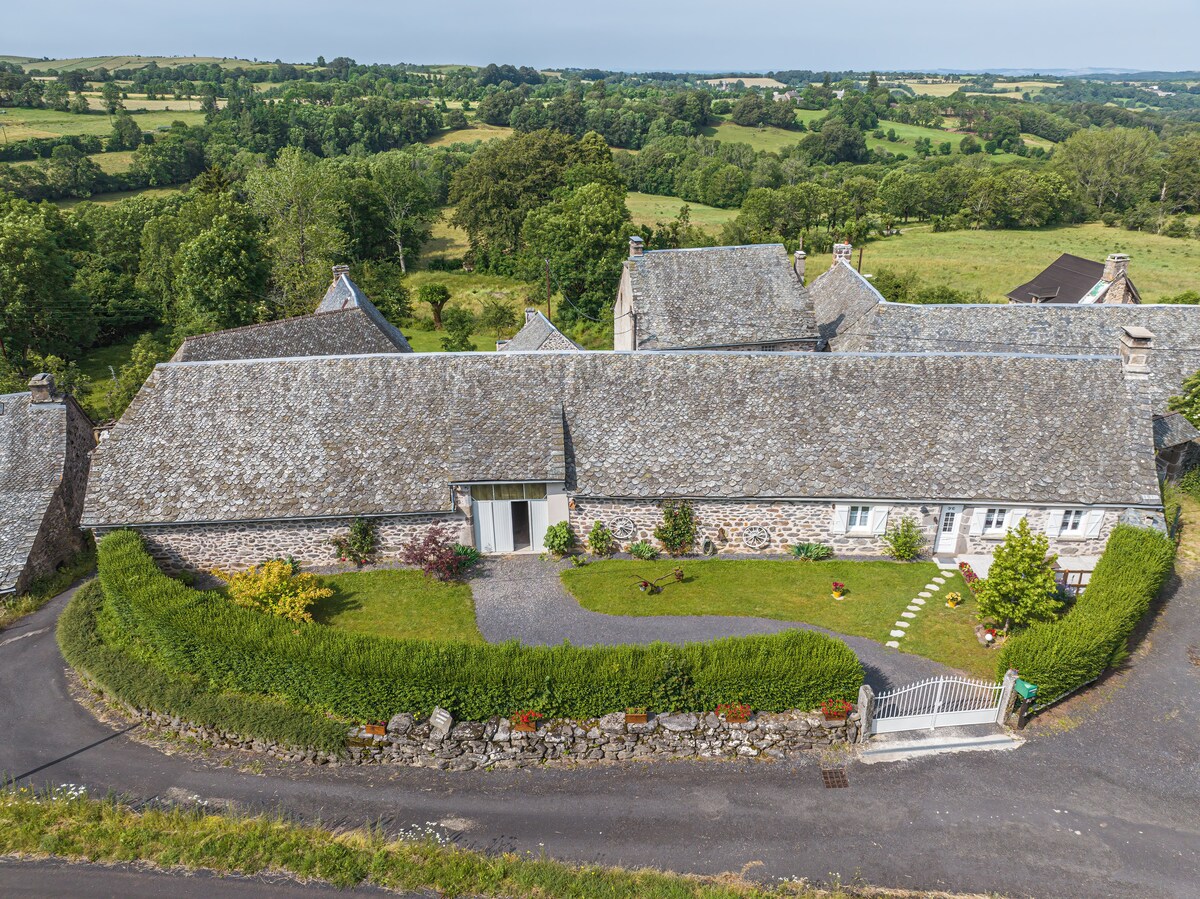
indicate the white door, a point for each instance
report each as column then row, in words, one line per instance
column 485, row 538
column 539, row 519
column 947, row 535
column 502, row 525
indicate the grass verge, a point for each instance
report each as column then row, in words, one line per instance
column 878, row 592
column 83, row 829
column 46, row 588
column 399, row 604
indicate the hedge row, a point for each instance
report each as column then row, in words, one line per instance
column 361, row 677
column 132, row 681
column 1063, row 655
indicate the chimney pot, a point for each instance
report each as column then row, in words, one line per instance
column 339, row 270
column 1115, row 265
column 41, row 388
column 1136, row 346
column 530, row 314
column 637, row 246
column 841, row 253
column 798, row 266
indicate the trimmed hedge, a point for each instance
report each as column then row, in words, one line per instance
column 1063, row 655
column 362, row 678
column 136, row 683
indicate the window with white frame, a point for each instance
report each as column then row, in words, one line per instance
column 859, row 518
column 1072, row 523
column 993, row 521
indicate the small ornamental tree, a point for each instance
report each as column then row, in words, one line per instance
column 438, row 555
column 1020, row 587
column 437, row 296
column 904, row 539
column 677, row 533
column 275, row 588
column 601, row 541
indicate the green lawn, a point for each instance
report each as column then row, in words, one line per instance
column 477, row 131
column 400, row 604
column 98, row 365
column 877, row 592
column 995, row 262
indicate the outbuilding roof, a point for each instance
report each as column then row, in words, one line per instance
column 388, row 434
column 840, row 297
column 344, row 323
column 718, row 296
column 1041, row 328
column 538, row 333
column 1068, row 279
column 33, row 448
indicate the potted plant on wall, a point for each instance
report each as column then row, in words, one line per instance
column 734, row 712
column 835, row 709
column 636, row 714
column 526, row 721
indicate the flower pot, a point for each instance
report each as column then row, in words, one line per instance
column 837, row 594
column 525, row 727
column 375, row 730
column 637, row 717
column 737, row 719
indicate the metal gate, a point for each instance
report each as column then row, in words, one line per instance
column 946, row 701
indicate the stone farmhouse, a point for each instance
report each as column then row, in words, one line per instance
column 1072, row 279
column 967, row 418
column 45, row 448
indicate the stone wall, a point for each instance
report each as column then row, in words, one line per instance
column 724, row 521
column 231, row 547
column 1064, row 547
column 60, row 537
column 462, row 746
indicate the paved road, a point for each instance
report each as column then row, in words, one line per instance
column 521, row 597
column 1102, row 804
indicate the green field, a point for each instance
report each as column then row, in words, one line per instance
column 130, row 62
column 117, row 195
column 25, row 123
column 477, row 131
column 650, row 209
column 995, row 262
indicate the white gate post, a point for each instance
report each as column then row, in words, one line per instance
column 1006, row 693
column 866, row 712
column 937, row 702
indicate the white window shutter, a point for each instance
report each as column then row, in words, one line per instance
column 841, row 518
column 977, row 515
column 1095, row 520
column 879, row 517
column 1054, row 520
column 1013, row 518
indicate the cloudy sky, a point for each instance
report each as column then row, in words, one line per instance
column 701, row 35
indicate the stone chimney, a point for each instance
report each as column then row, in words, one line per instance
column 637, row 247
column 1136, row 346
column 530, row 314
column 339, row 270
column 41, row 388
column 841, row 253
column 798, row 265
column 1115, row 265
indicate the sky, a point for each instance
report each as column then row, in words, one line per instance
column 700, row 35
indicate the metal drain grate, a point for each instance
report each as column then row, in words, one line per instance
column 834, row 778
column 1194, row 655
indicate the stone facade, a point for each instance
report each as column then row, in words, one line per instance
column 790, row 522
column 238, row 545
column 724, row 521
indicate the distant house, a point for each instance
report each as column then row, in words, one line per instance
column 344, row 322
column 1073, row 280
column 715, row 298
column 45, row 448
column 537, row 334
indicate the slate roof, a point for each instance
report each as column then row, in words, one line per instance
column 538, row 334
column 718, row 296
column 1173, row 429
column 33, row 448
column 344, row 323
column 309, row 437
column 1068, row 279
column 840, row 297
column 1041, row 328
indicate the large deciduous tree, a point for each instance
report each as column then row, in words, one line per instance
column 1108, row 167
column 409, row 200
column 222, row 281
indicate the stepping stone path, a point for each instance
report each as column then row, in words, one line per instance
column 917, row 603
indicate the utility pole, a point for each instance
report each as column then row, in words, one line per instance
column 860, row 252
column 547, row 261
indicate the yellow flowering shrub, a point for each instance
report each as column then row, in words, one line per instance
column 277, row 588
